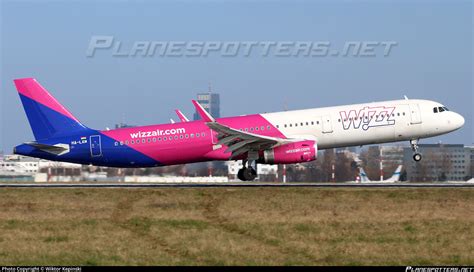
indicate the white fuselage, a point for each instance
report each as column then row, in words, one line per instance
column 368, row 123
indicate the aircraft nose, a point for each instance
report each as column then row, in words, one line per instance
column 458, row 120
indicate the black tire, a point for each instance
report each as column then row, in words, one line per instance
column 240, row 174
column 249, row 174
column 417, row 157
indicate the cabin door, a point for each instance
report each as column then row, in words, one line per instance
column 95, row 144
column 415, row 114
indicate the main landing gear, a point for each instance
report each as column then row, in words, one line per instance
column 414, row 146
column 247, row 173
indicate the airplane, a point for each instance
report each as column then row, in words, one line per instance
column 394, row 178
column 271, row 138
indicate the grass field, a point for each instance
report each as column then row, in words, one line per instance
column 237, row 226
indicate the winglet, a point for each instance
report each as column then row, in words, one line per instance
column 203, row 113
column 181, row 116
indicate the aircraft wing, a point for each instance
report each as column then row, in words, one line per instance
column 239, row 142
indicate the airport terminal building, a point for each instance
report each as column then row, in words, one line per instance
column 441, row 162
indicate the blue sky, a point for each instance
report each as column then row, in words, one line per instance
column 48, row 40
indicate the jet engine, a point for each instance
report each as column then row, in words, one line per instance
column 302, row 151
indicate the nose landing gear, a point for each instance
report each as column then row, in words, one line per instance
column 414, row 146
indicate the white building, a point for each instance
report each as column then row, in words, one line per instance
column 262, row 169
column 26, row 165
column 19, row 164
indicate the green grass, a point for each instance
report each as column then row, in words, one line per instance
column 237, row 226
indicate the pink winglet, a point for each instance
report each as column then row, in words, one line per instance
column 203, row 113
column 181, row 116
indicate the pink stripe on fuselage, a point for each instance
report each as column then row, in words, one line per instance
column 30, row 88
column 186, row 150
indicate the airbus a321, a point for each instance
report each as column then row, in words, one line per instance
column 271, row 138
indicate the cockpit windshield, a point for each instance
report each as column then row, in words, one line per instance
column 440, row 109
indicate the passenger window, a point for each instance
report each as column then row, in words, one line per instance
column 121, row 142
column 301, row 124
column 149, row 140
column 203, row 134
column 143, row 141
column 154, row 139
column 268, row 127
column 296, row 124
column 187, row 136
column 285, row 125
column 181, row 136
column 312, row 122
column 159, row 139
column 126, row 142
column 256, row 128
column 192, row 135
column 171, row 138
column 251, row 129
column 262, row 128
column 116, row 143
column 197, row 135
column 307, row 123
column 165, row 138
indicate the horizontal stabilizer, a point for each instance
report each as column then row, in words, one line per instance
column 57, row 149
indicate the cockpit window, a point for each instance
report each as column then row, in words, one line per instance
column 435, row 110
column 446, row 109
column 441, row 109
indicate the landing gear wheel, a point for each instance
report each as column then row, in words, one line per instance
column 417, row 157
column 240, row 174
column 414, row 147
column 249, row 174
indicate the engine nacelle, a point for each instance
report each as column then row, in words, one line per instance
column 303, row 151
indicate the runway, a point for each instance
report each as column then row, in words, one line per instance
column 236, row 184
